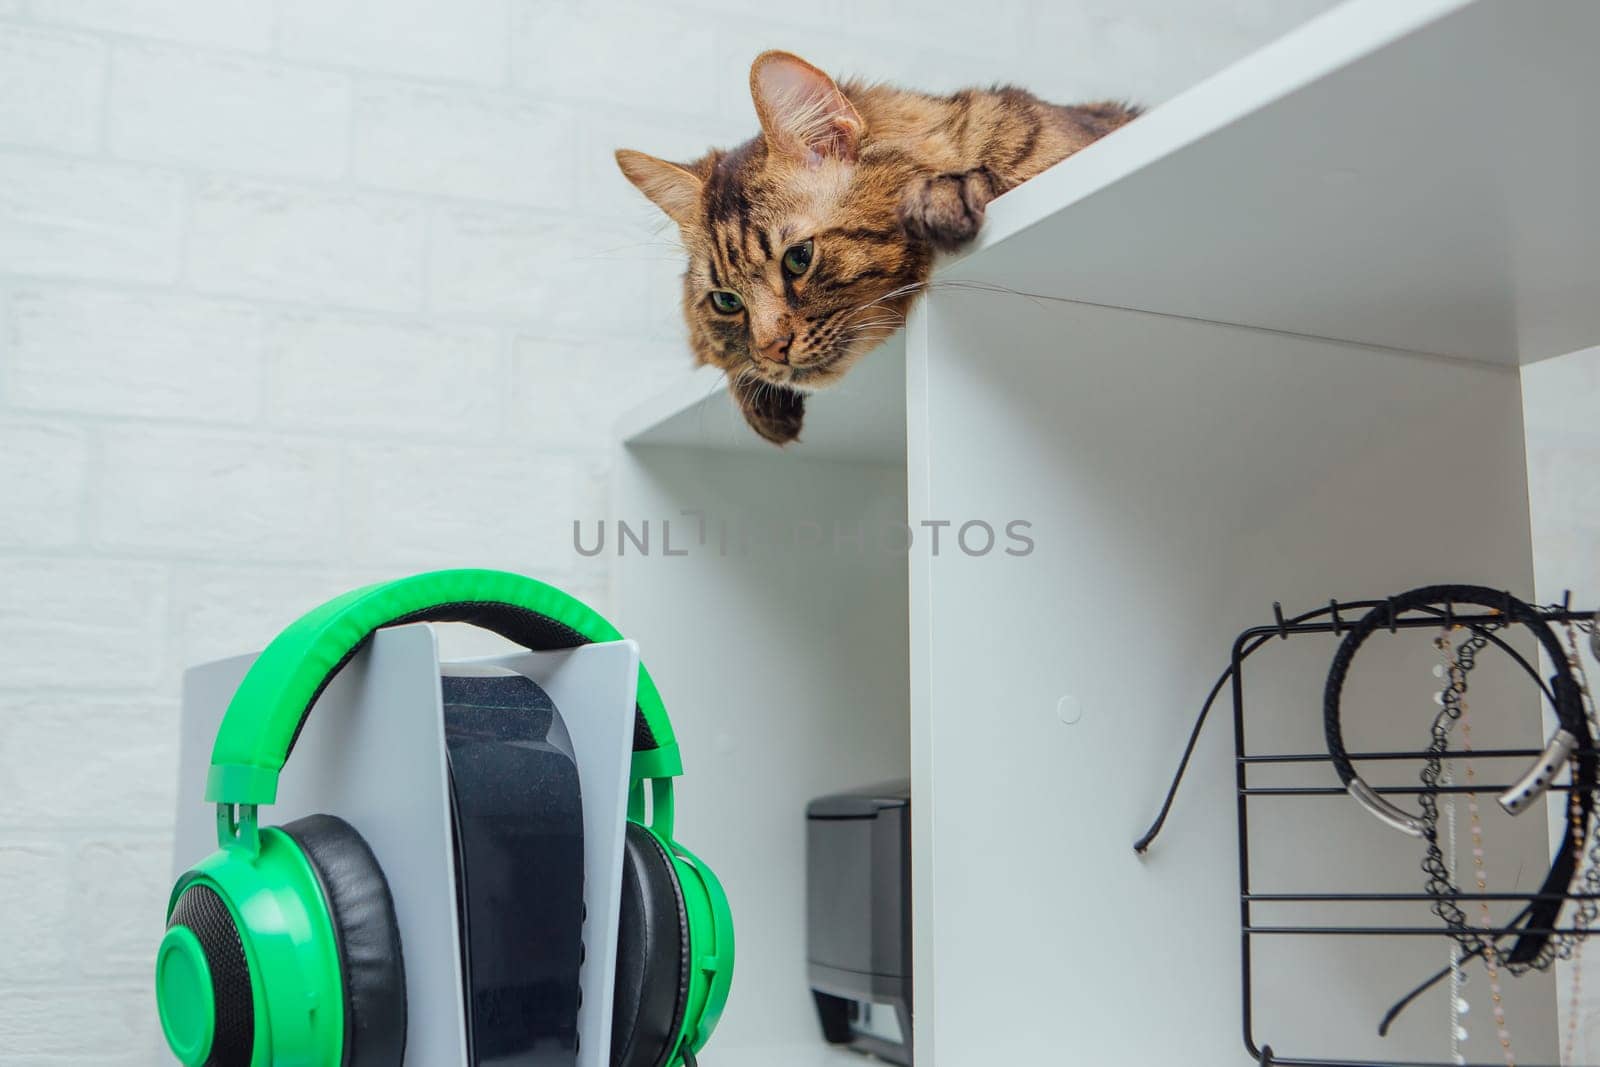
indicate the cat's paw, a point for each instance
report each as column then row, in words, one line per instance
column 947, row 210
column 773, row 411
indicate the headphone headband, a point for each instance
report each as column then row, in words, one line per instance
column 265, row 716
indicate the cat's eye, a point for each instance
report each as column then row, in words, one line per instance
column 797, row 260
column 726, row 302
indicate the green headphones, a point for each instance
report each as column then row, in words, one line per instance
column 282, row 947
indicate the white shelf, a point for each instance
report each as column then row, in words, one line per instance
column 1222, row 390
column 1415, row 174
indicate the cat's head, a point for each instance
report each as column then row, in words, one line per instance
column 798, row 262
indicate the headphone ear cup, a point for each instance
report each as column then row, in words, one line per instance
column 370, row 963
column 652, row 984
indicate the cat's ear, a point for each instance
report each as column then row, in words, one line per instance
column 674, row 189
column 802, row 111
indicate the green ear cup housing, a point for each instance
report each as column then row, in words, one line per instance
column 299, row 955
column 272, row 961
column 674, row 953
column 711, row 946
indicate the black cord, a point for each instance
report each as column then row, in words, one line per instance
column 1142, row 845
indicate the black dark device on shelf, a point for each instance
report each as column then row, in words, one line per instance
column 858, row 918
column 518, row 836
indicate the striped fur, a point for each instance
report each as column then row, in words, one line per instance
column 877, row 180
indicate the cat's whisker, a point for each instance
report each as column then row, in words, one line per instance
column 877, row 315
column 976, row 287
column 891, row 295
column 891, row 315
column 675, row 247
column 910, row 287
column 746, row 373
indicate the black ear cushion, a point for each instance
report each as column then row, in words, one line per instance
column 369, row 939
column 652, row 986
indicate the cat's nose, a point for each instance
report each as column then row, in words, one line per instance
column 777, row 349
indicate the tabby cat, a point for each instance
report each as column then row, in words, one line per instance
column 808, row 244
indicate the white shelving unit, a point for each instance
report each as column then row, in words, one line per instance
column 1268, row 351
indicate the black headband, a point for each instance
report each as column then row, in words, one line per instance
column 1573, row 736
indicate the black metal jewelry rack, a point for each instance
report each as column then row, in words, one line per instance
column 1335, row 619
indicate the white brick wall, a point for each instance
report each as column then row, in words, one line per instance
column 45, row 1024
column 299, row 294
column 456, row 500
column 214, row 495
column 232, row 24
column 462, row 40
column 575, row 278
column 285, row 242
column 36, row 922
column 44, row 470
column 134, row 353
column 174, row 105
column 86, row 218
column 79, row 623
column 63, row 75
column 657, row 55
column 464, row 143
column 131, row 737
column 426, row 380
